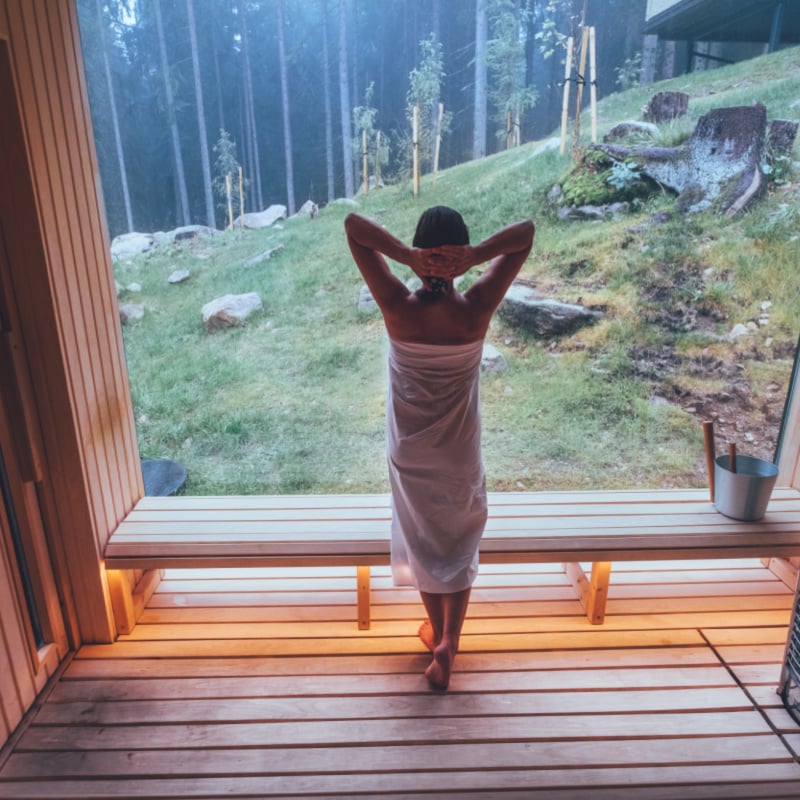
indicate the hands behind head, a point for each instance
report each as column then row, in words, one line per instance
column 448, row 261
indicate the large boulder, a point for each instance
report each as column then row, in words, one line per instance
column 128, row 245
column 130, row 312
column 261, row 219
column 544, row 317
column 492, row 360
column 230, row 310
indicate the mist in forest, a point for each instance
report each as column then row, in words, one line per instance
column 185, row 92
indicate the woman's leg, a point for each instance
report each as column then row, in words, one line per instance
column 446, row 613
column 431, row 630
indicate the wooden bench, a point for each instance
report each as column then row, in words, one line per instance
column 353, row 530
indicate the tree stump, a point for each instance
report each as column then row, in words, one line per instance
column 721, row 166
column 666, row 106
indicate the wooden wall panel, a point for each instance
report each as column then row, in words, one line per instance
column 63, row 283
column 18, row 683
column 789, row 455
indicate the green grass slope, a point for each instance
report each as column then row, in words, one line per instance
column 293, row 401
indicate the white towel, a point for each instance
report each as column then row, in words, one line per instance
column 435, row 466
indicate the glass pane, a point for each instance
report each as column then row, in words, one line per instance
column 19, row 552
column 683, row 277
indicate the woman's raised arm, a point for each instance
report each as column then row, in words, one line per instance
column 506, row 250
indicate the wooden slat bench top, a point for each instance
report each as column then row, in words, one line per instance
column 522, row 526
column 354, row 530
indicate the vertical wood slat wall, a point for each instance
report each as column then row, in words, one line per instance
column 789, row 458
column 18, row 685
column 63, row 283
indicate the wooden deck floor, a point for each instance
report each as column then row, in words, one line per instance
column 257, row 684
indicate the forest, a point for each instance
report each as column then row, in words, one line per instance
column 184, row 92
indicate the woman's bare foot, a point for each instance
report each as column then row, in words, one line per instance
column 428, row 635
column 438, row 672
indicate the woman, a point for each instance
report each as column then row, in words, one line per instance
column 433, row 415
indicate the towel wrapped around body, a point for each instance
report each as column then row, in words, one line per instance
column 435, row 466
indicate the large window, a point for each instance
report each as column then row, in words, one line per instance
column 691, row 312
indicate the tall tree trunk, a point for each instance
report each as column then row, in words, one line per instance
column 201, row 119
column 250, row 112
column 326, row 80
column 112, row 104
column 287, row 126
column 218, row 79
column 344, row 99
column 481, row 84
column 180, row 176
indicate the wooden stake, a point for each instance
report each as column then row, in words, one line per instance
column 364, row 164
column 230, row 201
column 438, row 141
column 708, row 437
column 415, row 147
column 241, row 197
column 593, row 84
column 378, row 160
column 565, row 104
column 732, row 457
column 576, row 135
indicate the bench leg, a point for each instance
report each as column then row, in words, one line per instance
column 362, row 578
column 784, row 568
column 129, row 600
column 593, row 591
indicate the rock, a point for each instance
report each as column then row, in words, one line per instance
column 130, row 312
column 128, row 245
column 589, row 212
column 666, row 106
column 261, row 257
column 230, row 311
column 188, row 232
column 309, row 208
column 544, row 317
column 781, row 134
column 134, row 287
column 737, row 331
column 492, row 359
column 261, row 219
column 162, row 477
column 366, row 303
column 555, row 195
column 631, row 129
column 179, row 276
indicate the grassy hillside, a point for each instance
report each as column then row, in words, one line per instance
column 294, row 400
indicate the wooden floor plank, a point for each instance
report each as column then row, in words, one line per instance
column 230, row 689
column 709, row 782
column 386, row 756
column 394, row 729
column 524, row 681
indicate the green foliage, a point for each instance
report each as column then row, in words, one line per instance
column 505, row 57
column 225, row 166
column 622, row 175
column 424, row 91
column 550, row 37
column 364, row 119
column 630, row 72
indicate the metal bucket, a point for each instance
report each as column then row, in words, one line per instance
column 743, row 494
